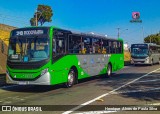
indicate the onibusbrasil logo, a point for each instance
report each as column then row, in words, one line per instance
column 136, row 17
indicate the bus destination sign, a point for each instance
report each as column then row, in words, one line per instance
column 29, row 32
column 139, row 45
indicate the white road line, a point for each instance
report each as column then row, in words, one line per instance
column 154, row 75
column 134, row 91
column 155, row 104
column 103, row 95
column 105, row 112
column 157, row 71
column 148, row 81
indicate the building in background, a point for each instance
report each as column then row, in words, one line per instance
column 127, row 54
column 4, row 36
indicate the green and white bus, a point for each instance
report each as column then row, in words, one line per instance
column 49, row 56
column 145, row 53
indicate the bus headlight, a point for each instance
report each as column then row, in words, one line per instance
column 7, row 72
column 147, row 60
column 44, row 71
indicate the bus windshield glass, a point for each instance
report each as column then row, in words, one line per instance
column 31, row 49
column 139, row 50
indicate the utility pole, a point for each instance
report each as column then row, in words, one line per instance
column 121, row 31
column 150, row 39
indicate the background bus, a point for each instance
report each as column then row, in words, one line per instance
column 49, row 56
column 145, row 54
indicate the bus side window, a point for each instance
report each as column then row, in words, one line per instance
column 60, row 38
column 96, row 45
column 110, row 47
column 87, row 45
column 105, row 46
column 54, row 47
column 119, row 47
column 60, row 46
column 115, row 47
column 74, row 43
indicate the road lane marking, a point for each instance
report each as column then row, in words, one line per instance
column 154, row 75
column 155, row 104
column 134, row 91
column 104, row 112
column 148, row 81
column 157, row 71
column 103, row 95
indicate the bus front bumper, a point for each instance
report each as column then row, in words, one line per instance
column 42, row 80
column 140, row 61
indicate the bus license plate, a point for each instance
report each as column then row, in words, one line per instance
column 22, row 83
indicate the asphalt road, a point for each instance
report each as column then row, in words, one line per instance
column 134, row 85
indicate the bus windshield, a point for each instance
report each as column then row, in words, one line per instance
column 31, row 49
column 139, row 51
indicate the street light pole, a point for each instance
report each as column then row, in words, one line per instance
column 119, row 31
column 150, row 38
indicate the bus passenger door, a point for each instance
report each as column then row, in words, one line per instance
column 59, row 51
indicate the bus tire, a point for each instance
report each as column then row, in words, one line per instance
column 159, row 61
column 70, row 79
column 109, row 70
column 151, row 62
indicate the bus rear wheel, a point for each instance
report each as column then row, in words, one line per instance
column 109, row 70
column 71, row 78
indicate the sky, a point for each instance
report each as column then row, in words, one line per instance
column 98, row 16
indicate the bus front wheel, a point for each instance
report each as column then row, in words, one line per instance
column 71, row 78
column 151, row 62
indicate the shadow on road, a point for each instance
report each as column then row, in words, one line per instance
column 45, row 88
column 146, row 88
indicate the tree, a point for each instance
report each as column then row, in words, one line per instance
column 43, row 14
column 33, row 22
column 154, row 38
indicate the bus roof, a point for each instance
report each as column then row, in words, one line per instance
column 149, row 44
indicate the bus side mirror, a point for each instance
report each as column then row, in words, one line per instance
column 2, row 47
